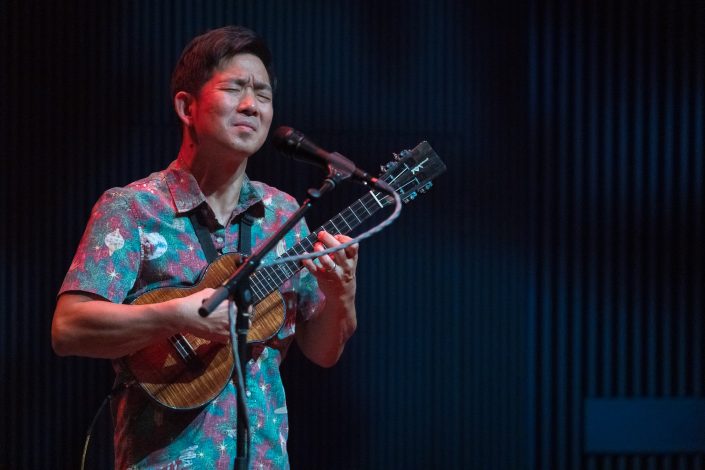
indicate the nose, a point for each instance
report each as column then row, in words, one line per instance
column 248, row 102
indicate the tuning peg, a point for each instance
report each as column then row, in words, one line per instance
column 396, row 157
column 425, row 187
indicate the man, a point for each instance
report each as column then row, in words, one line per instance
column 141, row 236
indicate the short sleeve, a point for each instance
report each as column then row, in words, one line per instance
column 107, row 261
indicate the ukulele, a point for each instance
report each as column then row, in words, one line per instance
column 186, row 371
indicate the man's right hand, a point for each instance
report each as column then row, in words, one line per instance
column 88, row 325
column 214, row 327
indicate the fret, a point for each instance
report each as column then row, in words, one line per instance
column 276, row 273
column 363, row 206
column 256, row 287
column 349, row 209
column 335, row 230
column 376, row 200
column 341, row 217
column 310, row 244
column 273, row 282
column 267, row 274
column 286, row 269
column 371, row 208
column 264, row 278
column 259, row 284
column 330, row 228
column 382, row 198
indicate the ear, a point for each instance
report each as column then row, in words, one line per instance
column 184, row 103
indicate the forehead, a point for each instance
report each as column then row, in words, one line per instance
column 243, row 66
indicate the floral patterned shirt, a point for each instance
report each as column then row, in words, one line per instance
column 139, row 238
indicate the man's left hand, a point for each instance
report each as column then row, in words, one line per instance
column 335, row 272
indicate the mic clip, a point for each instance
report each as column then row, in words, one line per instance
column 339, row 169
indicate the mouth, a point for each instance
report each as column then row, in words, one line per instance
column 245, row 126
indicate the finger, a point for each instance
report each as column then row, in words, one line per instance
column 329, row 240
column 340, row 257
column 315, row 265
column 327, row 263
column 317, row 261
column 350, row 251
column 310, row 265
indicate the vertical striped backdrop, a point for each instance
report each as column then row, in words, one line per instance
column 540, row 308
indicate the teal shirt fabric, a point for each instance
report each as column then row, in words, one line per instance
column 138, row 238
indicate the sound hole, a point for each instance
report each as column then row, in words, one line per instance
column 186, row 353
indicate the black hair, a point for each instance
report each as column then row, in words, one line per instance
column 206, row 52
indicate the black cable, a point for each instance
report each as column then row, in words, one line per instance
column 239, row 382
column 118, row 388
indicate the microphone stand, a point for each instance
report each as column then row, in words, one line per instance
column 237, row 289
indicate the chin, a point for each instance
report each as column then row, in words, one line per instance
column 248, row 147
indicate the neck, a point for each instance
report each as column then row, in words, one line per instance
column 220, row 178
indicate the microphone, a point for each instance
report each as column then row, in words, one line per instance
column 294, row 144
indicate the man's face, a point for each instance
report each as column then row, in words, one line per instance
column 233, row 110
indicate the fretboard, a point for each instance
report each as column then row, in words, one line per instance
column 264, row 281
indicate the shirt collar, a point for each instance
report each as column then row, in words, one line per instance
column 187, row 195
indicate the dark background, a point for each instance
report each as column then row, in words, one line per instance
column 551, row 278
